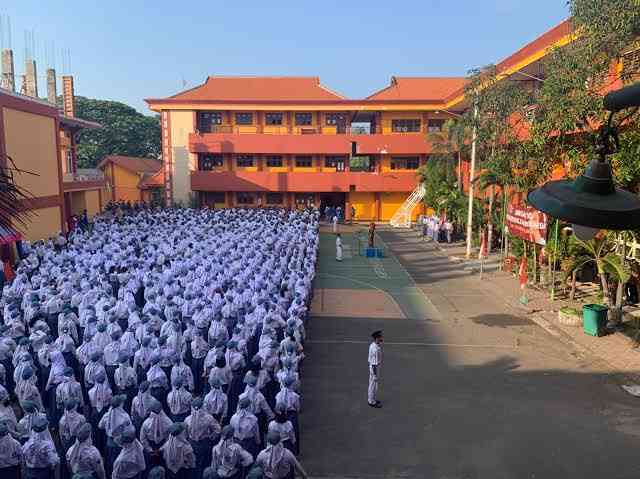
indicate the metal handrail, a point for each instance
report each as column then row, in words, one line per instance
column 298, row 130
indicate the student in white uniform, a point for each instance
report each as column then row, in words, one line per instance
column 338, row 247
column 375, row 361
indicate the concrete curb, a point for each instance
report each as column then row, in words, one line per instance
column 555, row 331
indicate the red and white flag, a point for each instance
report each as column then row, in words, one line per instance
column 522, row 272
column 483, row 246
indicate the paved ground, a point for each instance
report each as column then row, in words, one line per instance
column 470, row 388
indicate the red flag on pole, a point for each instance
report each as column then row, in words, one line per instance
column 483, row 246
column 522, row 272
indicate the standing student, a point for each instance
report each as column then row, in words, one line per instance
column 334, row 222
column 130, row 463
column 375, row 361
column 276, row 461
column 40, row 456
column 10, row 454
column 83, row 457
column 372, row 234
column 338, row 247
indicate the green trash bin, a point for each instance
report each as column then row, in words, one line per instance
column 594, row 319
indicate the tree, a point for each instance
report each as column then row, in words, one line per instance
column 601, row 252
column 124, row 131
column 569, row 103
column 498, row 119
column 13, row 197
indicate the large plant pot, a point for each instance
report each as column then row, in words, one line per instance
column 595, row 319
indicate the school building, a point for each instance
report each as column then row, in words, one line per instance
column 290, row 142
column 133, row 179
column 38, row 144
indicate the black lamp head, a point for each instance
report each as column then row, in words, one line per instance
column 592, row 199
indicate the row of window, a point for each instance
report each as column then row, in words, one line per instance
column 208, row 162
column 208, row 119
column 413, row 125
column 252, row 198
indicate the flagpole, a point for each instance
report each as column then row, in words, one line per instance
column 523, row 275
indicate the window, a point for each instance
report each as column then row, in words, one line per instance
column 69, row 158
column 304, row 161
column 336, row 162
column 274, row 161
column 244, row 118
column 213, row 197
column 361, row 163
column 275, row 198
column 333, row 119
column 405, row 163
column 435, row 126
column 244, row 160
column 208, row 119
column 303, row 119
column 245, row 198
column 207, row 162
column 273, row 118
column 304, row 199
column 405, row 126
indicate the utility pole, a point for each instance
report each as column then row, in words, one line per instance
column 472, row 173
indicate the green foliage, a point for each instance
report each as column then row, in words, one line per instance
column 626, row 162
column 124, row 131
column 570, row 98
column 499, row 118
column 601, row 252
column 571, row 311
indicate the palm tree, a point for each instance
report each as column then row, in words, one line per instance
column 450, row 142
column 600, row 251
column 13, row 198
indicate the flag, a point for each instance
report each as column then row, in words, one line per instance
column 522, row 272
column 483, row 246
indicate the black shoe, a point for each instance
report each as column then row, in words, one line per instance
column 377, row 404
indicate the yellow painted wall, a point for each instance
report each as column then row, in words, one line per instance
column 31, row 143
column 78, row 202
column 183, row 161
column 43, row 224
column 364, row 204
column 126, row 185
column 92, row 200
column 391, row 202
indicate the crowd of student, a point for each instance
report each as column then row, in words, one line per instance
column 158, row 343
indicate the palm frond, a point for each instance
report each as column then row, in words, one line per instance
column 14, row 199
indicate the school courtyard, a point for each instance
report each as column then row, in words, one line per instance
column 471, row 388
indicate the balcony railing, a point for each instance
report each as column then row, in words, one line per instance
column 83, row 175
column 296, row 130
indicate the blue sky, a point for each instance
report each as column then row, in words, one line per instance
column 131, row 50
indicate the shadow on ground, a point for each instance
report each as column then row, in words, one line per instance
column 487, row 415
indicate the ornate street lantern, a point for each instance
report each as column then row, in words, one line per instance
column 592, row 201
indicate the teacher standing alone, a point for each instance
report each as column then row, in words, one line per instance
column 375, row 361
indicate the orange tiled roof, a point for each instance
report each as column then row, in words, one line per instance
column 152, row 180
column 419, row 88
column 252, row 88
column 136, row 165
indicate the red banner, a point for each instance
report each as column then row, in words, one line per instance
column 527, row 223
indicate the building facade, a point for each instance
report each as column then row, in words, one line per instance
column 133, row 179
column 291, row 142
column 37, row 141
